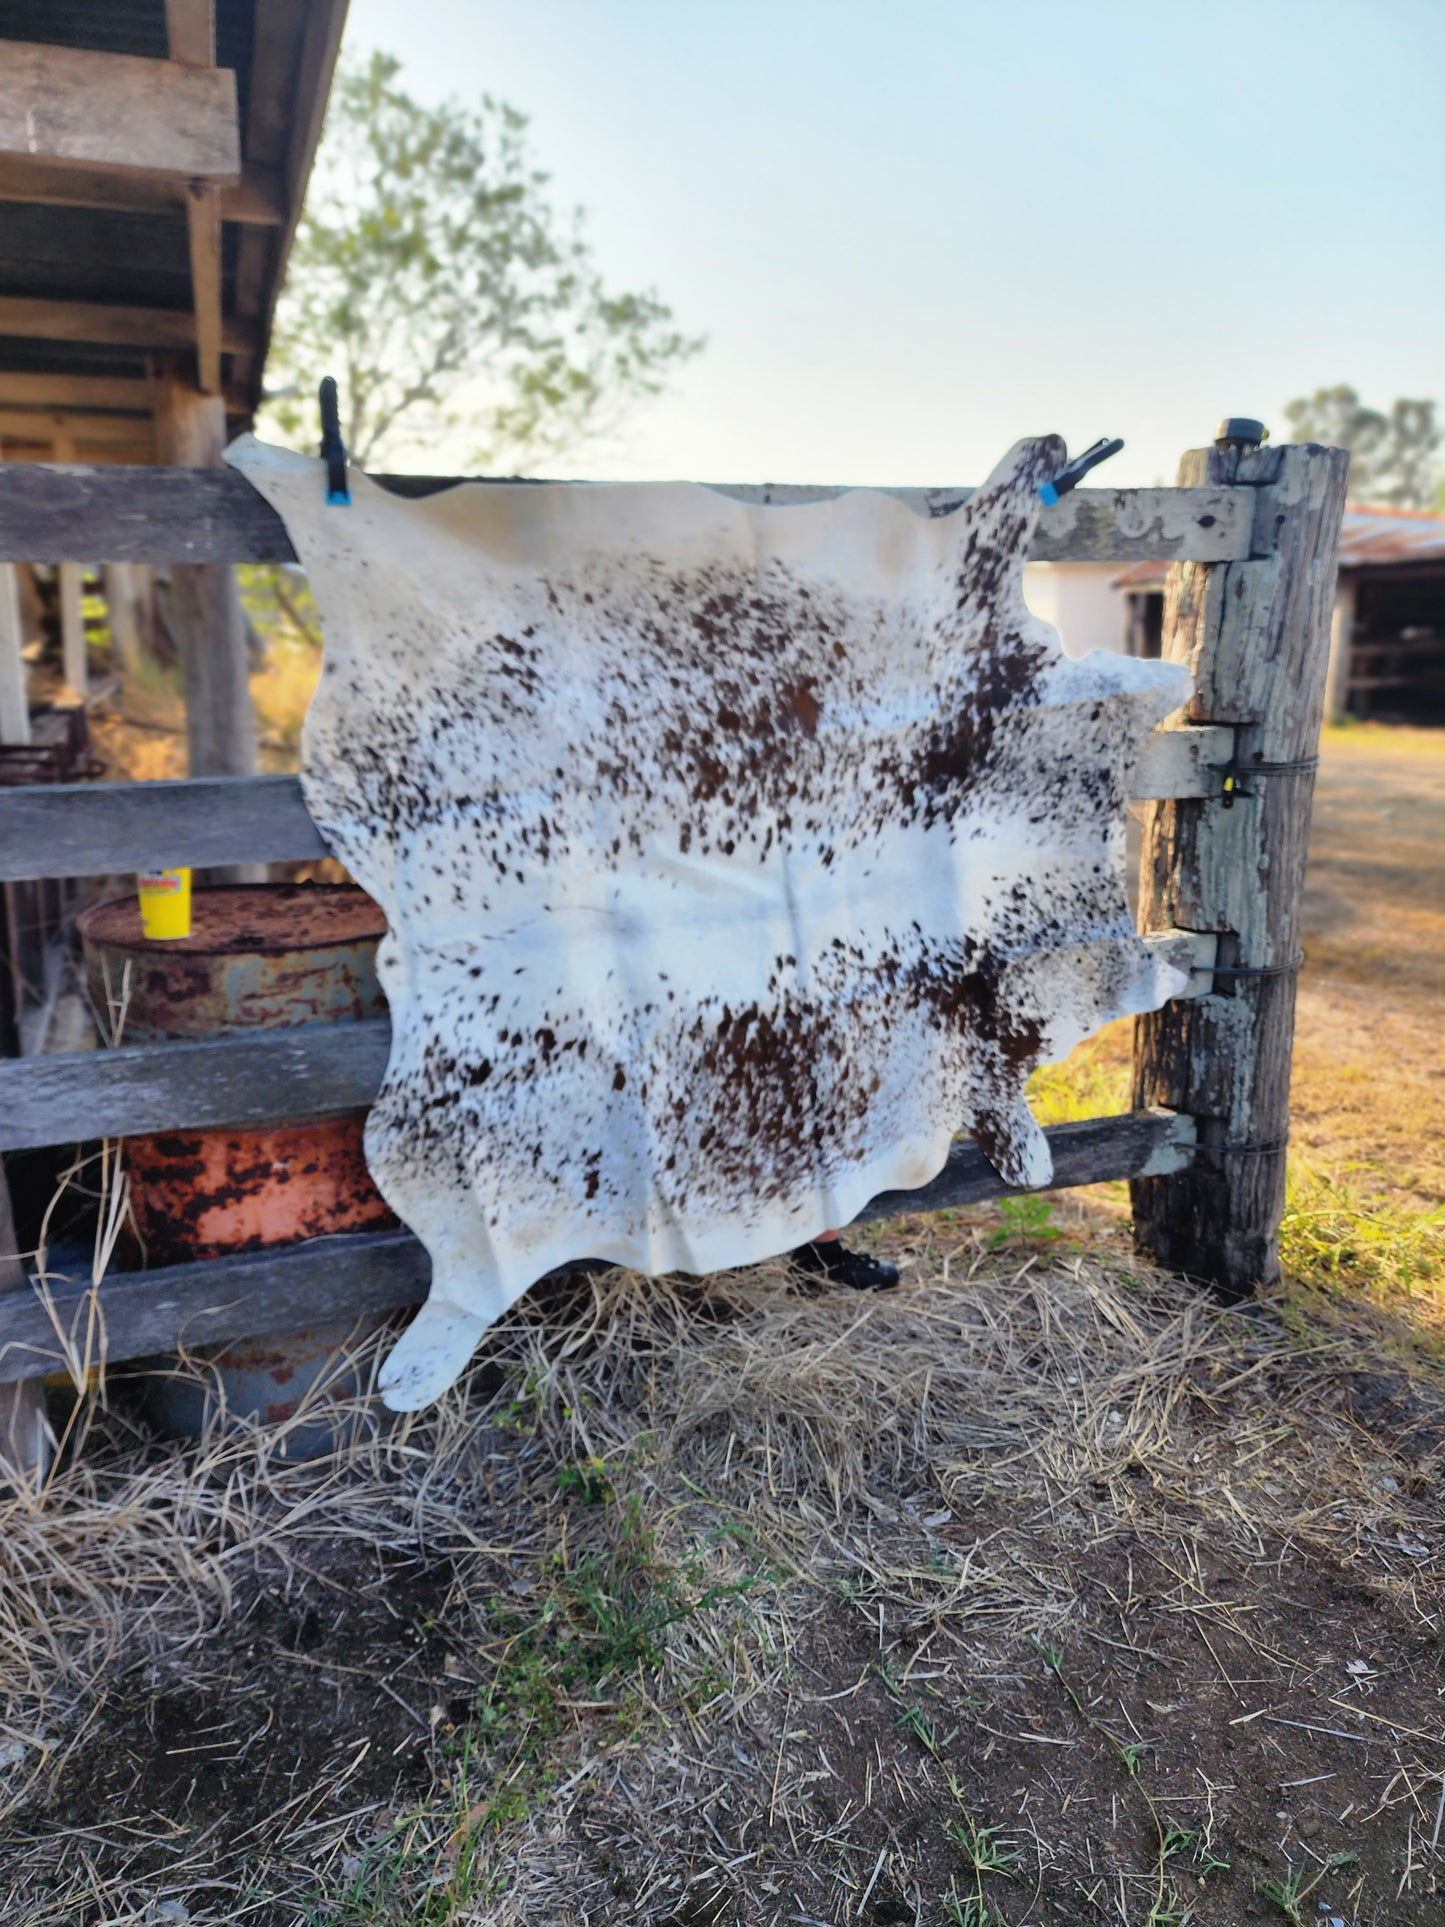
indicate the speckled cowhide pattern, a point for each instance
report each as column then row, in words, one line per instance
column 734, row 859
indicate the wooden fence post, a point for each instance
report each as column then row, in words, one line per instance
column 206, row 614
column 1255, row 635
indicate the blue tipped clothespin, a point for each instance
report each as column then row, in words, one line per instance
column 1072, row 473
column 333, row 449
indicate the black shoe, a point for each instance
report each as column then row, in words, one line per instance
column 856, row 1269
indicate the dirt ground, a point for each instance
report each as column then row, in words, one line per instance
column 1033, row 1593
column 1040, row 1591
column 1369, row 1081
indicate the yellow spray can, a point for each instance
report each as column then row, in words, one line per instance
column 165, row 903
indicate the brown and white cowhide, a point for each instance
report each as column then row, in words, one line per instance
column 734, row 859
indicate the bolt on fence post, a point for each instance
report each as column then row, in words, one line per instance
column 1255, row 635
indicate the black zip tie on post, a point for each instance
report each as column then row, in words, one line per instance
column 1233, row 770
column 1262, row 1150
column 1259, row 970
column 333, row 449
column 1072, row 473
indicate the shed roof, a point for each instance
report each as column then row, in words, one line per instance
column 1385, row 535
column 1369, row 538
column 113, row 247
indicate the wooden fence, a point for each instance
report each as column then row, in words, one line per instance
column 1252, row 536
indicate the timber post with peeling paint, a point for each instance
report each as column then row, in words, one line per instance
column 1255, row 634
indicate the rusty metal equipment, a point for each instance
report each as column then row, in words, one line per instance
column 59, row 749
column 259, row 957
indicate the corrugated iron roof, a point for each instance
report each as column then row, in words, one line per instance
column 1369, row 538
column 1372, row 535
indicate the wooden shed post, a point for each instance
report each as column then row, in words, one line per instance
column 70, row 586
column 121, row 600
column 14, row 689
column 14, row 702
column 206, row 615
column 1342, row 648
column 1255, row 635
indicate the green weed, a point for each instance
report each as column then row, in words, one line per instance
column 1287, row 1894
column 523, row 1413
column 1179, row 1841
column 915, row 1722
column 588, row 1482
column 969, row 1910
column 982, row 1846
column 605, row 1614
column 1291, row 1893
column 1027, row 1220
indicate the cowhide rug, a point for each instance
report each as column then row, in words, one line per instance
column 734, row 859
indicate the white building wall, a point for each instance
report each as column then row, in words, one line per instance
column 1077, row 598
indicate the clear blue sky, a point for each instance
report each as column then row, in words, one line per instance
column 915, row 231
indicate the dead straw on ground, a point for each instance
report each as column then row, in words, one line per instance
column 675, row 1489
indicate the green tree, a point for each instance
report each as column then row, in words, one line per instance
column 431, row 275
column 1392, row 457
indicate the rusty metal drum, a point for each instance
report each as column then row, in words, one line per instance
column 259, row 956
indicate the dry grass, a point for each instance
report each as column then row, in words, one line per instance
column 681, row 1530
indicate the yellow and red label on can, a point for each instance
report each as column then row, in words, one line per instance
column 165, row 903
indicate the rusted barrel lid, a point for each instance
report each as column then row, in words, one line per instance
column 260, row 919
column 259, row 956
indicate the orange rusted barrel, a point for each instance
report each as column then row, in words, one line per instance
column 266, row 956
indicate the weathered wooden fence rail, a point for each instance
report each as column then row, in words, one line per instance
column 59, row 513
column 286, row 1288
column 248, row 1078
column 1253, row 537
column 84, row 829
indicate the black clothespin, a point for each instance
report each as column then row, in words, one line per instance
column 333, row 449
column 1072, row 473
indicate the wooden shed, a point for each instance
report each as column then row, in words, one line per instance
column 153, row 159
column 1387, row 644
